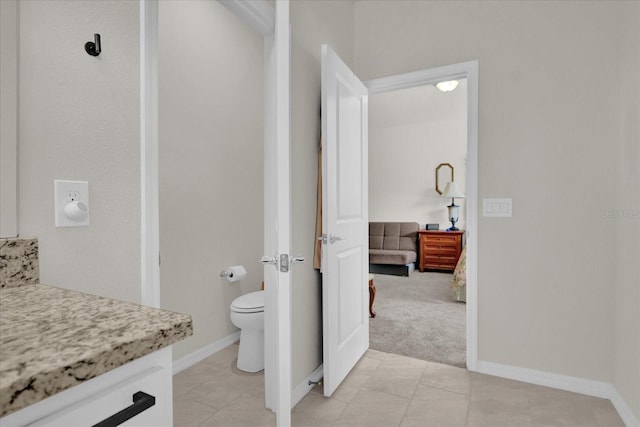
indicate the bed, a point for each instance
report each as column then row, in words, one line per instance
column 459, row 282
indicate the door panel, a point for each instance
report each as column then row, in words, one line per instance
column 349, row 185
column 349, row 298
column 345, row 220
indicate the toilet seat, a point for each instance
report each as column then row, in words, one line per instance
column 252, row 302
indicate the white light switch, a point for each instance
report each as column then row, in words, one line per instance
column 71, row 203
column 497, row 207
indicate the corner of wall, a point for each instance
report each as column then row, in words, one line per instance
column 624, row 216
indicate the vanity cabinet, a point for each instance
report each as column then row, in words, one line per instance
column 96, row 400
column 73, row 359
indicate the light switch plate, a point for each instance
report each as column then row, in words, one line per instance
column 66, row 192
column 497, row 207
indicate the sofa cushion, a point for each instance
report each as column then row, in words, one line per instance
column 376, row 235
column 408, row 236
column 393, row 235
column 389, row 256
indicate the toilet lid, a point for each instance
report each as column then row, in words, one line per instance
column 251, row 302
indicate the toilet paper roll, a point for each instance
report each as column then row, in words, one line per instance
column 236, row 272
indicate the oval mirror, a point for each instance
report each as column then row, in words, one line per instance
column 444, row 174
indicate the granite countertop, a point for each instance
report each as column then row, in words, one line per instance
column 52, row 339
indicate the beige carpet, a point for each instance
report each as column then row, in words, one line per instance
column 418, row 317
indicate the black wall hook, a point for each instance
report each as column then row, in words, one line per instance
column 94, row 48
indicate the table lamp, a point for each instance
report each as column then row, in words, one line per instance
column 452, row 190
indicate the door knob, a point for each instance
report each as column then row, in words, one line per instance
column 268, row 260
column 333, row 238
column 297, row 259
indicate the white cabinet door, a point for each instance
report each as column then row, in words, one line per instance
column 102, row 405
column 97, row 399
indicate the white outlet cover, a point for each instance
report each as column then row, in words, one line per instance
column 66, row 192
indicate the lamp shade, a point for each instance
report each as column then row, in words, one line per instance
column 452, row 191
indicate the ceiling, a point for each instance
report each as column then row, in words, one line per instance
column 417, row 105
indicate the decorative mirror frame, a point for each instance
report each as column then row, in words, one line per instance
column 441, row 166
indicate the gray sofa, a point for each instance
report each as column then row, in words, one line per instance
column 393, row 247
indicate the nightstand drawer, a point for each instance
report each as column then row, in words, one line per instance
column 439, row 266
column 432, row 249
column 430, row 259
column 443, row 240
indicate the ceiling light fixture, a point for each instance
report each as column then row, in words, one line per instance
column 447, row 86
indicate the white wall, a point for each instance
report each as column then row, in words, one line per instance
column 625, row 217
column 9, row 118
column 79, row 120
column 211, row 143
column 412, row 131
column 547, row 278
column 313, row 23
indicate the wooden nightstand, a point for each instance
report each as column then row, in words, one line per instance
column 440, row 249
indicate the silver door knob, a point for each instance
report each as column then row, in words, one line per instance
column 333, row 238
column 268, row 260
column 297, row 259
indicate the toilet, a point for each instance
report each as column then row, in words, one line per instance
column 247, row 313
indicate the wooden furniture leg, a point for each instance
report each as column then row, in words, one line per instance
column 372, row 297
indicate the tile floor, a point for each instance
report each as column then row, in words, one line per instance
column 383, row 390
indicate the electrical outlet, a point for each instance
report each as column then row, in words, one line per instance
column 74, row 196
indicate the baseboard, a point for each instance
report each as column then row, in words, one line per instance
column 204, row 352
column 301, row 390
column 561, row 382
column 593, row 388
column 624, row 410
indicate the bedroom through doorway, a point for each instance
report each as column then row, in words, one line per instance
column 411, row 132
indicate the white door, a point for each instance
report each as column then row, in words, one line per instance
column 277, row 225
column 345, row 249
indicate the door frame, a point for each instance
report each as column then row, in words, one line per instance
column 468, row 70
column 149, row 178
column 260, row 16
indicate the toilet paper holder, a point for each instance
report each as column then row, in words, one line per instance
column 234, row 273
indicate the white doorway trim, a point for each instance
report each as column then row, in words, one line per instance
column 468, row 70
column 149, row 202
column 260, row 16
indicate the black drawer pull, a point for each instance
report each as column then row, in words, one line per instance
column 141, row 402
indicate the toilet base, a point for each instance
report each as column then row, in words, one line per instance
column 251, row 351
